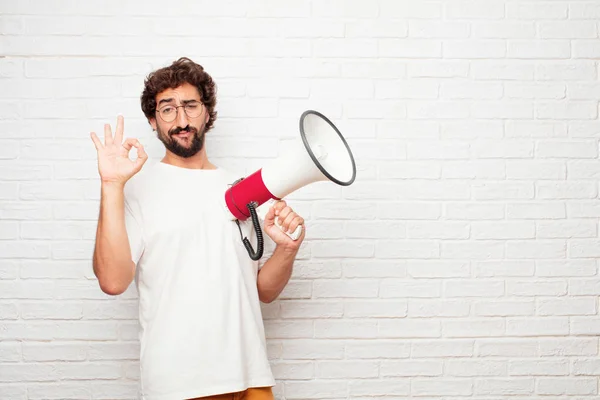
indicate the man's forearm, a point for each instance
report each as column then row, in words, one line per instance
column 275, row 274
column 112, row 255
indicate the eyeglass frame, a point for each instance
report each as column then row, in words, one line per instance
column 188, row 102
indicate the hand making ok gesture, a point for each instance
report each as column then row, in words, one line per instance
column 114, row 164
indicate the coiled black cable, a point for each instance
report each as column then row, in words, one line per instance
column 254, row 255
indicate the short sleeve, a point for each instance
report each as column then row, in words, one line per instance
column 134, row 233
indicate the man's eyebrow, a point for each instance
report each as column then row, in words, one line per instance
column 170, row 100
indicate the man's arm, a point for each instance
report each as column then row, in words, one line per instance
column 112, row 254
column 112, row 261
column 275, row 274
column 277, row 270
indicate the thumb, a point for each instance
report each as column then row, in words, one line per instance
column 270, row 217
column 142, row 156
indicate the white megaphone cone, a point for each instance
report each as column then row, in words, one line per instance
column 321, row 155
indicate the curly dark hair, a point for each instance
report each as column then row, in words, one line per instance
column 179, row 72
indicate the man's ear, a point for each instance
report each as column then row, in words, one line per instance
column 152, row 123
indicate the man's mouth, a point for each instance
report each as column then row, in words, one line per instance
column 182, row 134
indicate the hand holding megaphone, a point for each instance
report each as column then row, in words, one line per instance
column 321, row 155
column 281, row 211
column 295, row 235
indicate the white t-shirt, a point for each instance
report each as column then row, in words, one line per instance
column 201, row 327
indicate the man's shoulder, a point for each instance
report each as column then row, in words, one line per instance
column 230, row 175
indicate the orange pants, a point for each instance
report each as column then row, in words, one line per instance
column 260, row 393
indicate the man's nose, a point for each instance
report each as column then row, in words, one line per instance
column 182, row 119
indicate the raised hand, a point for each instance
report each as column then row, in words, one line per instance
column 114, row 164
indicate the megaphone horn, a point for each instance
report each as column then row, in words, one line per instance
column 325, row 156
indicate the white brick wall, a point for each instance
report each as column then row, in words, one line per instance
column 461, row 264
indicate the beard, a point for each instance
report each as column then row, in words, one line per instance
column 183, row 147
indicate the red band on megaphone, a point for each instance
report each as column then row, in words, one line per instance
column 250, row 189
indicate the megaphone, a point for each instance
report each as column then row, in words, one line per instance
column 322, row 155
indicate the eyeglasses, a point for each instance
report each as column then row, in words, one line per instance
column 193, row 109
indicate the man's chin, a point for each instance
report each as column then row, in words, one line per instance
column 186, row 150
column 183, row 142
column 185, row 154
column 183, row 147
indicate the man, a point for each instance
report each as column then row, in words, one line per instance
column 202, row 334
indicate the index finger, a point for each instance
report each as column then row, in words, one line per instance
column 129, row 143
column 279, row 205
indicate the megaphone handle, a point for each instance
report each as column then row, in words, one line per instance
column 294, row 235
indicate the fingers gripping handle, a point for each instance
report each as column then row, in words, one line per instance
column 294, row 235
column 262, row 211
